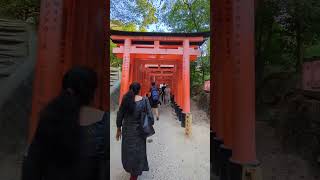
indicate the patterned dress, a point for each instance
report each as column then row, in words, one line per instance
column 133, row 150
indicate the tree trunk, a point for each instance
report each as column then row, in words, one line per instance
column 299, row 53
column 299, row 50
column 203, row 72
column 259, row 34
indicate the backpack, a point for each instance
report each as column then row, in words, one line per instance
column 154, row 94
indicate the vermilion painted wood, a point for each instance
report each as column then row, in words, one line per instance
column 213, row 57
column 218, row 60
column 157, row 54
column 227, row 72
column 71, row 33
column 90, row 44
column 158, row 38
column 157, row 57
column 160, row 76
column 180, row 86
column 49, row 67
column 244, row 147
column 186, row 76
column 159, row 51
column 125, row 69
column 140, row 70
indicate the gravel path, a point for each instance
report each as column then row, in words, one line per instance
column 171, row 155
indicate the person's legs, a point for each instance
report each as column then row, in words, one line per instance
column 164, row 98
column 153, row 111
column 167, row 99
column 132, row 177
column 157, row 113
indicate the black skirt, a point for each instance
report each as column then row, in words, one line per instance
column 133, row 151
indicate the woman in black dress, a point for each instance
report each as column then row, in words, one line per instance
column 71, row 138
column 134, row 152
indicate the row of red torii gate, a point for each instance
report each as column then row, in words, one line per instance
column 160, row 58
column 74, row 32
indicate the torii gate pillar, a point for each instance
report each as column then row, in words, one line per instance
column 233, row 91
column 244, row 146
column 71, row 32
column 186, row 76
column 125, row 69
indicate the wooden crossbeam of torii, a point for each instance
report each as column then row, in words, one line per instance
column 158, row 38
column 179, row 51
column 162, row 75
column 162, row 71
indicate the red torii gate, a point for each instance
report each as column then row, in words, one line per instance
column 74, row 32
column 161, row 49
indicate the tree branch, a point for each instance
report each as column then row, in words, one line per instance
column 192, row 15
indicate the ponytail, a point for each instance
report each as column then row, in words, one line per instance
column 128, row 101
column 59, row 128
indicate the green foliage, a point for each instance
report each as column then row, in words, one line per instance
column 313, row 51
column 142, row 13
column 118, row 25
column 179, row 15
column 301, row 24
column 200, row 70
column 285, row 32
column 132, row 15
column 188, row 16
column 191, row 16
column 148, row 13
column 20, row 9
column 114, row 61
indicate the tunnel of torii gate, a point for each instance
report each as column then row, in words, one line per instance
column 73, row 32
column 160, row 58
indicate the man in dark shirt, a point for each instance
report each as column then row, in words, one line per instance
column 154, row 99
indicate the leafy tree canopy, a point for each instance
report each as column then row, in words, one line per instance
column 142, row 13
column 187, row 15
column 20, row 9
column 190, row 16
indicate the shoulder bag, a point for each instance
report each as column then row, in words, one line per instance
column 146, row 126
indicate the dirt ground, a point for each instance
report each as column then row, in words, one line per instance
column 279, row 165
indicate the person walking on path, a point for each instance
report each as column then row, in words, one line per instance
column 167, row 94
column 133, row 149
column 71, row 139
column 154, row 99
column 163, row 93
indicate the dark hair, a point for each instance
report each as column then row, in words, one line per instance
column 128, row 101
column 153, row 83
column 59, row 127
